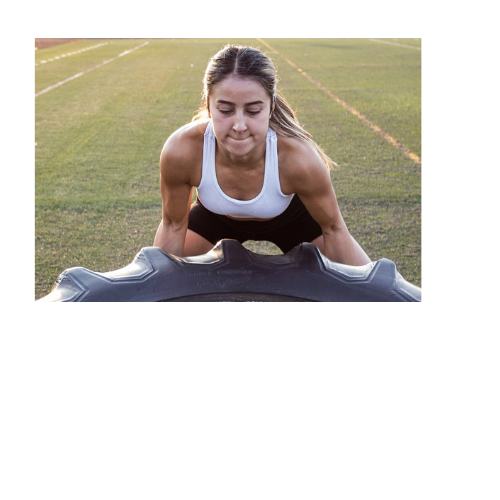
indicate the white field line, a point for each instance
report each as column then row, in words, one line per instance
column 70, row 53
column 356, row 113
column 392, row 43
column 88, row 70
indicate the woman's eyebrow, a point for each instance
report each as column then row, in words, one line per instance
column 221, row 101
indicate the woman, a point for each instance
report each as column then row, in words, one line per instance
column 258, row 173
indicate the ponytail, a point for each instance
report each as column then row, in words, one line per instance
column 284, row 122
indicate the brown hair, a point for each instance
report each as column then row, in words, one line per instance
column 248, row 62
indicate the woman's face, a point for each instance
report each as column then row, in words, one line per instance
column 240, row 109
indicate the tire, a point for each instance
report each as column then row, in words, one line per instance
column 231, row 273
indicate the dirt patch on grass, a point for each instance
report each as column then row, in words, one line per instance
column 43, row 43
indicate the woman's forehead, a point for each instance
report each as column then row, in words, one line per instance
column 236, row 87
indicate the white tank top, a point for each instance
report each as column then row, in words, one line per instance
column 269, row 203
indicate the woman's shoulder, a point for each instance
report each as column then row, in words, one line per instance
column 300, row 165
column 292, row 145
column 187, row 135
column 186, row 143
column 295, row 153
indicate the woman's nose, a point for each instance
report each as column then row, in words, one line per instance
column 239, row 123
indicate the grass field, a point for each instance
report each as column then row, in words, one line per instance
column 98, row 139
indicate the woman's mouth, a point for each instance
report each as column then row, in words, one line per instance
column 239, row 139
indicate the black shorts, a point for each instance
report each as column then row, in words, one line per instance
column 294, row 226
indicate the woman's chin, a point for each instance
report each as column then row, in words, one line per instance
column 239, row 147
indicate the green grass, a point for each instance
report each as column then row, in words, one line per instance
column 98, row 140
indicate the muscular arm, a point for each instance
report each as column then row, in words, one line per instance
column 321, row 203
column 176, row 168
column 308, row 177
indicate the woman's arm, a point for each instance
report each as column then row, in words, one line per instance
column 176, row 192
column 319, row 198
column 307, row 176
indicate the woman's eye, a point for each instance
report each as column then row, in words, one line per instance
column 250, row 111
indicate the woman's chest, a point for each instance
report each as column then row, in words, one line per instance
column 241, row 183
